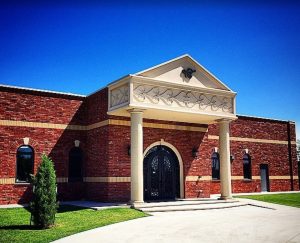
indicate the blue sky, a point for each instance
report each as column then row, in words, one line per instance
column 80, row 47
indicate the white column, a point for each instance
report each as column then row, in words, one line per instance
column 224, row 151
column 137, row 181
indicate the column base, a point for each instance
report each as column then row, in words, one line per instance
column 135, row 204
column 225, row 198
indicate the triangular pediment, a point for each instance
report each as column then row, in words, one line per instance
column 172, row 71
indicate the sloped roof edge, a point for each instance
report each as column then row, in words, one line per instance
column 191, row 59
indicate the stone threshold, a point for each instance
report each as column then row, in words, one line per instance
column 187, row 205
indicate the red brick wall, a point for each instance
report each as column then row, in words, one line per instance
column 276, row 156
column 97, row 104
column 108, row 192
column 53, row 142
column 97, row 147
column 105, row 148
column 36, row 106
column 197, row 189
column 22, row 105
column 18, row 193
column 244, row 186
column 118, row 158
column 71, row 191
column 184, row 141
column 249, row 127
column 97, row 155
column 53, row 108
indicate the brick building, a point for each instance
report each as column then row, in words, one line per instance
column 168, row 132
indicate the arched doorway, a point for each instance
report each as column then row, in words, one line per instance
column 161, row 174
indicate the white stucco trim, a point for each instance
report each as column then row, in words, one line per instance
column 162, row 142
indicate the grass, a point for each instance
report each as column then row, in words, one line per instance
column 288, row 199
column 14, row 222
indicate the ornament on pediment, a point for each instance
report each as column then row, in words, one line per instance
column 188, row 73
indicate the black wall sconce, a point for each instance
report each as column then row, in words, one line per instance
column 128, row 150
column 231, row 158
column 195, row 152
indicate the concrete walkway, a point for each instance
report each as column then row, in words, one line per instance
column 262, row 223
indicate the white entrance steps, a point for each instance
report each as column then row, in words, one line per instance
column 188, row 205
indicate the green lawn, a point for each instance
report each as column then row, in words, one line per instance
column 14, row 223
column 288, row 199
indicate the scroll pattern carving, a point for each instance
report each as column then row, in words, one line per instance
column 119, row 96
column 182, row 98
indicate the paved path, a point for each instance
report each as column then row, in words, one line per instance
column 241, row 224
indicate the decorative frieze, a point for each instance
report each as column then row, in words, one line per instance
column 119, row 96
column 171, row 97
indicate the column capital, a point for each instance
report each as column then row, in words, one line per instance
column 136, row 110
column 225, row 120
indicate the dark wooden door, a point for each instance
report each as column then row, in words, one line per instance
column 161, row 174
column 264, row 177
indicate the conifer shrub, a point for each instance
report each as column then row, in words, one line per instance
column 43, row 207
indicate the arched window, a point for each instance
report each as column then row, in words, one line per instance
column 25, row 162
column 215, row 166
column 247, row 166
column 75, row 164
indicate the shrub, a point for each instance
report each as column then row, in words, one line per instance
column 43, row 206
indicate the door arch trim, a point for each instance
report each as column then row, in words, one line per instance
column 174, row 149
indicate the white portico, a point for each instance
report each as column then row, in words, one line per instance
column 179, row 90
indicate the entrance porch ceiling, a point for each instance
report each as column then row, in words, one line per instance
column 168, row 115
column 172, row 102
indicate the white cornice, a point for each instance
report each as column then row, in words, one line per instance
column 166, row 84
column 40, row 90
column 118, row 81
column 265, row 118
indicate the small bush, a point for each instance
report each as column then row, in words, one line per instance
column 43, row 207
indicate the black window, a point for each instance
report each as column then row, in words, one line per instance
column 75, row 164
column 247, row 166
column 215, row 166
column 25, row 162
